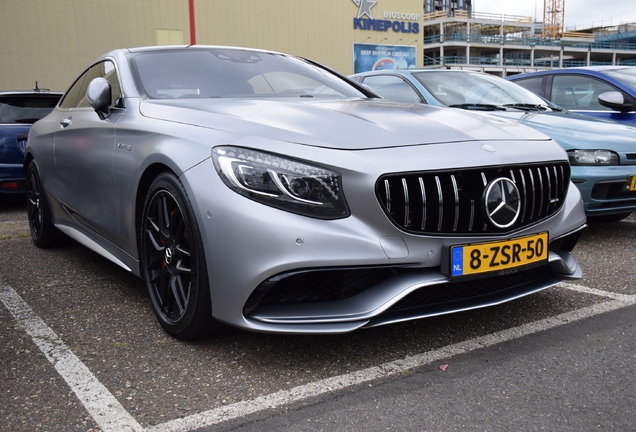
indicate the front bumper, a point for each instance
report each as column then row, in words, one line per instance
column 251, row 247
column 603, row 189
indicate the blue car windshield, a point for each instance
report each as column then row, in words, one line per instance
column 227, row 73
column 627, row 76
column 459, row 88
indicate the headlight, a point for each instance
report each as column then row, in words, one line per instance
column 592, row 157
column 280, row 182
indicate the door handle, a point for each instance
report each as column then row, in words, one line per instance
column 66, row 122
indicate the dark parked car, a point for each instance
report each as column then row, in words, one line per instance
column 267, row 192
column 602, row 152
column 600, row 91
column 18, row 110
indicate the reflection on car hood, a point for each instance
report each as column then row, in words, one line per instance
column 344, row 124
column 575, row 131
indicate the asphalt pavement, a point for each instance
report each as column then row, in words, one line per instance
column 81, row 351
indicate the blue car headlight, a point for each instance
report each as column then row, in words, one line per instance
column 592, row 157
column 280, row 182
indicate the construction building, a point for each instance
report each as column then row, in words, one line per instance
column 458, row 37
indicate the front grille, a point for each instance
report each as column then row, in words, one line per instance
column 451, row 202
column 611, row 190
column 471, row 289
column 313, row 286
column 328, row 285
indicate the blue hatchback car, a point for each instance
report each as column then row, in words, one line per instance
column 18, row 111
column 600, row 91
column 602, row 153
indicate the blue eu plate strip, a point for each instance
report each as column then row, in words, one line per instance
column 458, row 261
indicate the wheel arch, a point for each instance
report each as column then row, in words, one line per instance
column 149, row 175
column 27, row 160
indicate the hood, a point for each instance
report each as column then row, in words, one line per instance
column 343, row 124
column 575, row 131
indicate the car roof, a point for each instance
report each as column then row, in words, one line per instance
column 411, row 70
column 192, row 47
column 591, row 70
column 30, row 93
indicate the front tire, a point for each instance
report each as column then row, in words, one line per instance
column 43, row 232
column 173, row 261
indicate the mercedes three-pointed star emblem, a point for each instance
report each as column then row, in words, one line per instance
column 502, row 202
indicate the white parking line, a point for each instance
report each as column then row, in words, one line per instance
column 110, row 415
column 284, row 397
column 98, row 401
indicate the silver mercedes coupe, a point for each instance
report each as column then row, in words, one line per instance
column 265, row 191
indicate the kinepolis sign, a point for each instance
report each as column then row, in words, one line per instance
column 399, row 22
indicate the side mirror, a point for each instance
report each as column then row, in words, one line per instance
column 98, row 95
column 616, row 101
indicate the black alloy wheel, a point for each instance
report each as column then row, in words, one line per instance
column 43, row 232
column 174, row 263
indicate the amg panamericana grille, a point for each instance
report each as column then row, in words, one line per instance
column 451, row 202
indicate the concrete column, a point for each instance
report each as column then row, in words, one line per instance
column 532, row 56
column 468, row 42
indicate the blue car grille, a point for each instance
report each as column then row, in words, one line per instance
column 451, row 202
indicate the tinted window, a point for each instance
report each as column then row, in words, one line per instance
column 393, row 88
column 76, row 95
column 532, row 84
column 26, row 108
column 576, row 92
column 203, row 73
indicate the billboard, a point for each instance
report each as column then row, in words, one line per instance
column 368, row 57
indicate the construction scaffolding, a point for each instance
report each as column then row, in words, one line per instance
column 553, row 16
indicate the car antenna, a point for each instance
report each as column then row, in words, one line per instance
column 441, row 63
column 38, row 89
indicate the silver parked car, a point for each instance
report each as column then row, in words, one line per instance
column 268, row 192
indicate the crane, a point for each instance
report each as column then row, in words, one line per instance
column 553, row 11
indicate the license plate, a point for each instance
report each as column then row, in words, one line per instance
column 631, row 183
column 500, row 256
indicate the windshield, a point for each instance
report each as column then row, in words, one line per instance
column 227, row 73
column 627, row 76
column 26, row 108
column 460, row 88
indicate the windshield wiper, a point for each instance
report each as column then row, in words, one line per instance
column 525, row 106
column 485, row 107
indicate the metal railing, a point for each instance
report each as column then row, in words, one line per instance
column 517, row 62
column 477, row 15
column 536, row 42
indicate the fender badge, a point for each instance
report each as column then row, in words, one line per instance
column 488, row 148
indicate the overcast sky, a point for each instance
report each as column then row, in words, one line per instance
column 578, row 13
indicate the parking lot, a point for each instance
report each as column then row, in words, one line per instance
column 81, row 349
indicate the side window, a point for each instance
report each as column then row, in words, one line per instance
column 393, row 88
column 71, row 96
column 532, row 84
column 76, row 95
column 579, row 92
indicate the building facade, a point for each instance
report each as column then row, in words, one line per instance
column 51, row 41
